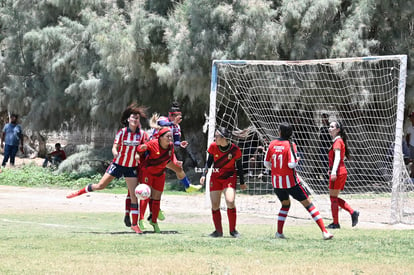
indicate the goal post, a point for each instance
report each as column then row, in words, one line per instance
column 252, row 97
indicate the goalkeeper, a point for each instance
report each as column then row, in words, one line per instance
column 281, row 160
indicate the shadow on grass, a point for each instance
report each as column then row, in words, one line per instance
column 171, row 232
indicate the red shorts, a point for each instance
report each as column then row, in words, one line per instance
column 156, row 182
column 339, row 184
column 221, row 184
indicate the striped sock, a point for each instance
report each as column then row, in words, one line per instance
column 281, row 218
column 316, row 216
column 134, row 213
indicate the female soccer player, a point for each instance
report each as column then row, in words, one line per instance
column 125, row 160
column 338, row 173
column 158, row 155
column 281, row 160
column 225, row 156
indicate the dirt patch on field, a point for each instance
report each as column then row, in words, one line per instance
column 178, row 208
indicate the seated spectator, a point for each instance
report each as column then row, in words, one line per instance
column 56, row 157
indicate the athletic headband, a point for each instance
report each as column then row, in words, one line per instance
column 163, row 131
column 174, row 113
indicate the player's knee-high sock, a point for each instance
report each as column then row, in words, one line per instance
column 142, row 208
column 127, row 204
column 150, row 207
column 134, row 213
column 316, row 216
column 335, row 209
column 217, row 220
column 155, row 210
column 281, row 218
column 82, row 191
column 343, row 204
column 232, row 216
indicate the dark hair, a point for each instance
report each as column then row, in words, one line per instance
column 286, row 130
column 175, row 107
column 58, row 145
column 344, row 137
column 134, row 108
column 224, row 132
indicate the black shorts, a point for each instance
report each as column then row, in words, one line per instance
column 297, row 192
column 118, row 171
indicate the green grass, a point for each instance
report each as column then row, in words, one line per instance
column 99, row 243
column 83, row 243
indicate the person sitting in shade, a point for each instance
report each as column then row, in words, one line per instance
column 55, row 157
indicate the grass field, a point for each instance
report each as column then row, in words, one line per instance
column 98, row 243
column 42, row 232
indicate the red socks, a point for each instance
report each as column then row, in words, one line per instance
column 155, row 207
column 127, row 204
column 232, row 216
column 142, row 208
column 217, row 220
column 344, row 205
column 335, row 209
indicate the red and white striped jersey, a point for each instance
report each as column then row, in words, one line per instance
column 127, row 146
column 279, row 154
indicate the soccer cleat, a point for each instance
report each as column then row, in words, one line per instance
column 161, row 215
column 193, row 188
column 127, row 221
column 136, row 229
column 156, row 227
column 326, row 235
column 235, row 234
column 279, row 236
column 354, row 217
column 216, row 234
column 74, row 194
column 334, row 226
column 141, row 224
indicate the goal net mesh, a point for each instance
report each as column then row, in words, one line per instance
column 251, row 98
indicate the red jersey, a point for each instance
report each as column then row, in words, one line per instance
column 59, row 153
column 224, row 161
column 338, row 144
column 127, row 146
column 279, row 154
column 157, row 158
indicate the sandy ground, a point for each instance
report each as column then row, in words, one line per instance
column 188, row 208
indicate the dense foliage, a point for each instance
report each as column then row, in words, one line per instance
column 74, row 65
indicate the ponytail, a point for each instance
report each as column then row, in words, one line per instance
column 344, row 137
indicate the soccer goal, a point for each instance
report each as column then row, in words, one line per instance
column 251, row 98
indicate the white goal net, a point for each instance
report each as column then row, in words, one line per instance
column 251, row 98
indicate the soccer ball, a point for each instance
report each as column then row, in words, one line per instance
column 143, row 191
